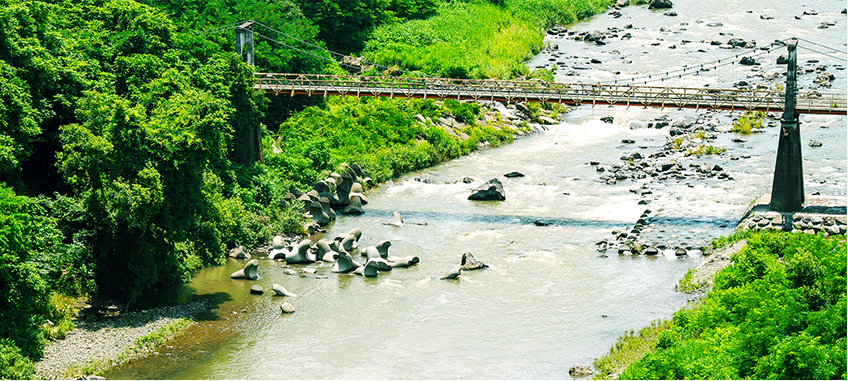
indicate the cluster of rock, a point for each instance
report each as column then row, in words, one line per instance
column 684, row 136
column 631, row 242
column 821, row 215
column 338, row 192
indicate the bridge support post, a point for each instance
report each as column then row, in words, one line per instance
column 787, row 193
column 244, row 41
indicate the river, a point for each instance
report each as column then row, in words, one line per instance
column 549, row 299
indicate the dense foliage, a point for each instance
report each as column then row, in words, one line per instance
column 379, row 134
column 476, row 39
column 346, row 24
column 779, row 312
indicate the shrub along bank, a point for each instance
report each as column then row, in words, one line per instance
column 778, row 312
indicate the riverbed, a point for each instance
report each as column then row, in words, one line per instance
column 549, row 298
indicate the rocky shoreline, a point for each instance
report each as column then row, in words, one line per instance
column 108, row 339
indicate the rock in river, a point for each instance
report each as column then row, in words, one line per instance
column 492, row 190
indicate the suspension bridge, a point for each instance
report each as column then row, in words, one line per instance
column 788, row 183
column 552, row 92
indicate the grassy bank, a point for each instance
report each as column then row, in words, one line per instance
column 778, row 312
column 476, row 39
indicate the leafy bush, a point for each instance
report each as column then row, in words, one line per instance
column 778, row 312
column 14, row 365
column 23, row 292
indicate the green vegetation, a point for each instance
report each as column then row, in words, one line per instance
column 627, row 349
column 380, row 134
column 778, row 312
column 475, row 39
column 14, row 365
column 749, row 122
column 705, row 149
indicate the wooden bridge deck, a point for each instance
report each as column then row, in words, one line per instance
column 539, row 91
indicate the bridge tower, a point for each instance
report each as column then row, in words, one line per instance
column 244, row 41
column 249, row 149
column 787, row 193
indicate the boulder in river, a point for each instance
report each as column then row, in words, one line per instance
column 287, row 308
column 594, row 36
column 579, row 370
column 748, row 61
column 239, row 253
column 471, row 263
column 492, row 190
column 514, row 174
column 660, row 4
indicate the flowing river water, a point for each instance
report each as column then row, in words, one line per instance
column 549, row 299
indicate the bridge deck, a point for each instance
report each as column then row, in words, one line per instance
column 539, row 91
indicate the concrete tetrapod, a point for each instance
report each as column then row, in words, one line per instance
column 345, row 263
column 471, row 263
column 248, row 272
column 383, row 248
column 278, row 248
column 281, row 291
column 368, row 271
column 325, row 206
column 453, row 274
column 301, row 253
column 325, row 253
column 355, row 205
column 343, row 189
column 316, row 212
column 350, row 240
column 397, row 220
column 239, row 252
column 374, row 256
column 403, row 261
column 356, row 232
column 356, row 189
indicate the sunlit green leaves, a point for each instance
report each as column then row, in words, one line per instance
column 771, row 315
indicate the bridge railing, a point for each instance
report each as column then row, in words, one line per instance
column 540, row 91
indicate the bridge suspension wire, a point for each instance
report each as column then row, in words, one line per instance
column 820, row 45
column 218, row 29
column 296, row 48
column 822, row 53
column 695, row 68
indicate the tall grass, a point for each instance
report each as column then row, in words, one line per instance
column 476, row 39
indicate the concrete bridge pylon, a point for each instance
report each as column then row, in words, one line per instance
column 787, row 193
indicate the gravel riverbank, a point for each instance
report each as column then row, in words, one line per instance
column 104, row 340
